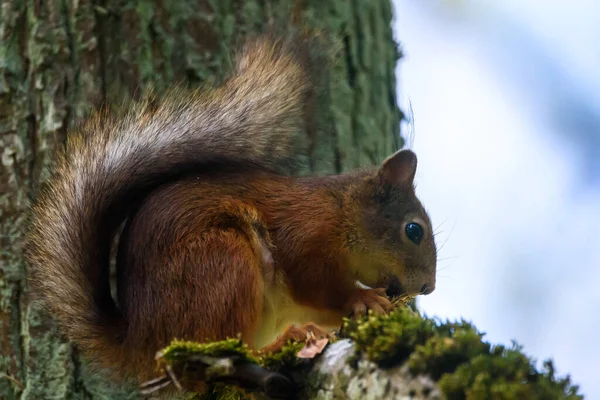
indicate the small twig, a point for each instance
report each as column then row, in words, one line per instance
column 402, row 300
column 155, row 385
column 173, row 377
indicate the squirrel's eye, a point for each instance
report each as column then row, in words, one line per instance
column 414, row 232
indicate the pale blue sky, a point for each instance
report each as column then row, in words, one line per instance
column 506, row 101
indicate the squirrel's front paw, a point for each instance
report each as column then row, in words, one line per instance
column 363, row 300
column 309, row 333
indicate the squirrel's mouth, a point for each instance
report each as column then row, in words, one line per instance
column 394, row 287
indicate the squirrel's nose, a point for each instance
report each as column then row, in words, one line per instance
column 426, row 289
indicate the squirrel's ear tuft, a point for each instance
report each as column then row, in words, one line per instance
column 399, row 168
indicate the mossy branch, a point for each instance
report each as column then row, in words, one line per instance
column 402, row 354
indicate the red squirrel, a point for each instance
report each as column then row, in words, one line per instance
column 217, row 242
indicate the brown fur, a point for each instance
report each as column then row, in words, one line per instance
column 211, row 251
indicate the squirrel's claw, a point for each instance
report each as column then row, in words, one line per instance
column 364, row 300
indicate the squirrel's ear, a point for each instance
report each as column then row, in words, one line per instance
column 399, row 168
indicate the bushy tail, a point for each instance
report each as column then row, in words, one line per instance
column 109, row 163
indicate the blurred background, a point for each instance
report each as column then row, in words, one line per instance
column 506, row 105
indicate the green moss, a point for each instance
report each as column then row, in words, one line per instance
column 284, row 359
column 455, row 355
column 388, row 340
column 180, row 350
column 453, row 345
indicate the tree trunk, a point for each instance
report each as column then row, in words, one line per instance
column 61, row 58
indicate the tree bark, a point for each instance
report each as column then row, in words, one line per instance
column 61, row 58
column 334, row 378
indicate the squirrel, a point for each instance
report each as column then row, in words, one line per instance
column 216, row 241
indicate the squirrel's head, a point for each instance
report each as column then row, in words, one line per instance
column 396, row 245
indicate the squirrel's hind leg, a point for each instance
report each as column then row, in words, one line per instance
column 205, row 285
column 224, row 287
